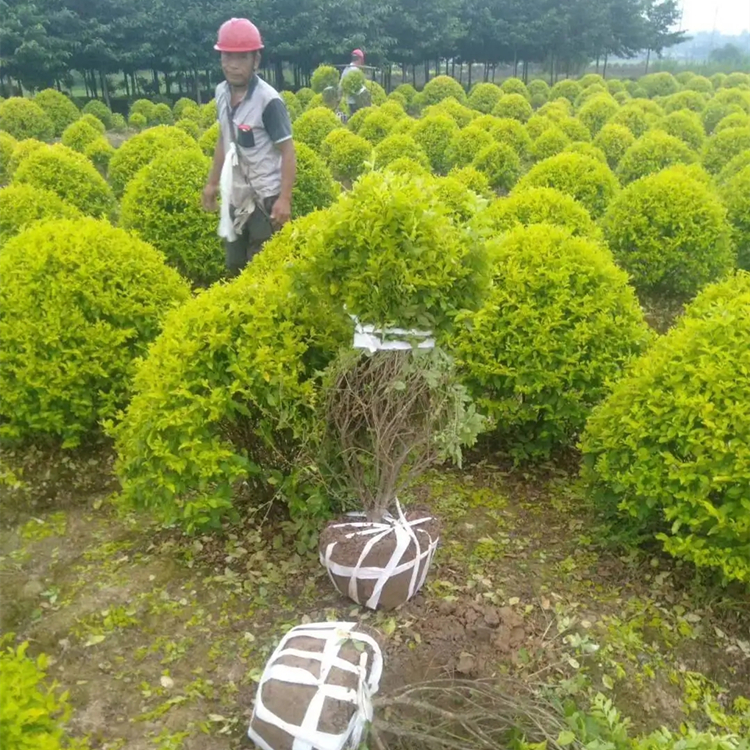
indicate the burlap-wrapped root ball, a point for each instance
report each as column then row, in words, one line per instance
column 380, row 565
column 316, row 690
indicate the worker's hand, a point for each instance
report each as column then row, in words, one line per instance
column 210, row 192
column 281, row 211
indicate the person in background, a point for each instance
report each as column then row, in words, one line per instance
column 254, row 165
column 357, row 63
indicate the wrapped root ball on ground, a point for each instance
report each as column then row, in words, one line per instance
column 316, row 689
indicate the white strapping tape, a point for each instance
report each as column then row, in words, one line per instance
column 391, row 339
column 405, row 534
column 307, row 736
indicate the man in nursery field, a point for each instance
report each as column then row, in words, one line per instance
column 357, row 63
column 254, row 165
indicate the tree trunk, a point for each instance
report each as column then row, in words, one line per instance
column 470, row 67
column 606, row 58
column 648, row 60
column 168, row 83
column 155, row 75
column 414, row 75
column 208, row 79
column 494, row 70
column 552, row 70
column 426, row 72
column 515, row 64
column 279, row 75
column 105, row 89
column 597, row 63
column 94, row 90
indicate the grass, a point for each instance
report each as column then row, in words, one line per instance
column 161, row 639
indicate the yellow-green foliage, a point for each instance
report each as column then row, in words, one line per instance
column 191, row 127
column 435, row 133
column 405, row 165
column 314, row 187
column 182, row 106
column 591, row 92
column 587, row 149
column 209, row 114
column 722, row 147
column 585, row 179
column 143, row 107
column 313, row 126
column 737, row 80
column 23, row 205
column 80, row 135
column 20, row 152
column 22, row 118
column 143, row 148
column 701, row 84
column 659, row 84
column 465, row 145
column 559, row 323
column 736, row 194
column 353, row 83
column 80, row 301
column 293, row 105
column 442, row 87
column 715, row 112
column 471, row 178
column 566, row 89
column 94, row 122
column 668, row 454
column 376, row 126
column 735, row 120
column 574, row 129
column 99, row 110
column 592, row 79
column 69, row 174
column 598, row 111
column 735, row 166
column 324, row 76
column 733, row 96
column 484, row 97
column 669, row 231
column 557, row 109
column 552, row 141
column 514, row 106
column 539, row 89
column 7, row 146
column 515, row 86
column 461, row 114
column 304, row 95
column 33, row 712
column 397, row 147
column 460, row 201
column 691, row 100
column 500, row 164
column 717, row 80
column 614, row 141
column 653, row 152
column 346, row 153
column 162, row 205
column 163, row 115
column 540, row 206
column 137, row 121
column 58, row 107
column 686, row 126
column 539, row 124
column 407, row 91
column 209, row 139
column 228, row 392
column 634, row 118
column 512, row 132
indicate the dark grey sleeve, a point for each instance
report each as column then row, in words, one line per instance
column 276, row 121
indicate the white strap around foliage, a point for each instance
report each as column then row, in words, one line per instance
column 391, row 339
column 307, row 736
column 405, row 535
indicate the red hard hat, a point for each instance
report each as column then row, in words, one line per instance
column 239, row 35
column 358, row 53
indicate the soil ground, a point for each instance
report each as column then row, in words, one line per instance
column 161, row 639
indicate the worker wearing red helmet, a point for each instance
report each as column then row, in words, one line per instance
column 254, row 165
column 357, row 62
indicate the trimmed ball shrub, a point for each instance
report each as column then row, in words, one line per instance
column 137, row 122
column 182, row 106
column 574, row 129
column 398, row 147
column 715, row 112
column 591, row 92
column 355, row 121
column 735, row 120
column 587, row 149
column 293, row 105
column 466, row 144
column 539, row 124
column 634, row 118
column 435, row 133
column 461, row 203
column 691, row 100
column 190, row 127
column 79, row 136
column 377, row 93
column 737, row 80
column 304, row 95
column 473, row 179
column 659, row 84
column 346, row 154
column 513, row 133
column 58, row 107
column 733, row 96
column 588, row 181
column 162, row 115
column 736, row 194
column 686, row 126
column 22, row 150
column 734, row 167
column 442, row 87
column 119, row 123
column 540, row 206
column 23, row 205
column 484, row 97
column 598, row 111
column 514, row 106
column 323, row 77
column 143, row 107
column 500, row 163
column 227, row 395
column 94, row 122
column 69, row 174
column 162, row 205
column 405, row 165
column 592, row 79
column 566, row 89
column 100, row 152
column 557, row 109
column 460, row 113
column 666, row 456
column 7, row 146
column 559, row 324
column 722, row 147
column 550, row 142
column 407, row 91
column 539, row 88
column 376, row 126
column 79, row 303
column 313, row 126
column 209, row 114
column 614, row 141
column 669, row 232
column 142, row 149
column 99, row 110
column 701, row 84
column 209, row 139
column 515, row 86
column 615, row 86
column 314, row 187
column 653, row 152
column 22, row 119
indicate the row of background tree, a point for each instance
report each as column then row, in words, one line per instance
column 129, row 48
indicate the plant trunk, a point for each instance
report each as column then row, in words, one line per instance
column 155, row 78
column 515, row 64
column 105, row 89
column 94, row 90
column 426, row 72
column 470, row 67
column 197, row 82
column 648, row 60
column 606, row 59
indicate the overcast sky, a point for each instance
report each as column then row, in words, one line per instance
column 733, row 15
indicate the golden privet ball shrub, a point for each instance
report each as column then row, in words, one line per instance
column 79, row 302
